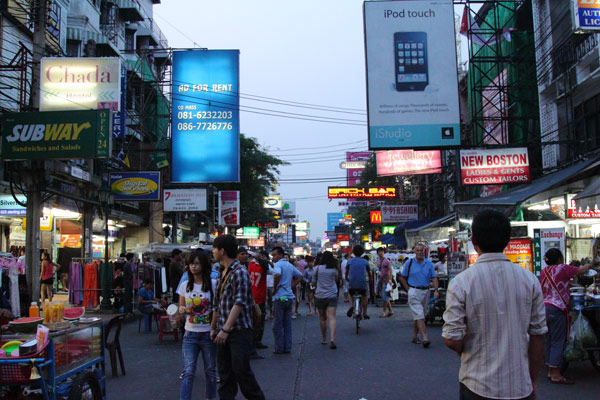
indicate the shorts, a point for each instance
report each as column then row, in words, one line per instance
column 48, row 281
column 385, row 296
column 360, row 292
column 323, row 304
column 418, row 299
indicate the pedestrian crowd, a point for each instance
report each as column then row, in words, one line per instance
column 499, row 318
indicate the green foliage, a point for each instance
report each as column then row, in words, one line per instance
column 258, row 172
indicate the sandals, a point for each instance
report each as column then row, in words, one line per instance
column 563, row 381
column 366, row 317
column 416, row 341
column 426, row 343
column 389, row 315
column 332, row 346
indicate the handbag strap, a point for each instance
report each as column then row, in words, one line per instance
column 224, row 282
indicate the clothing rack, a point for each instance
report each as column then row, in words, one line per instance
column 78, row 292
column 13, row 268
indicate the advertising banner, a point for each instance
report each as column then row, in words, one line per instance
column 342, row 192
column 398, row 162
column 80, row 83
column 273, row 202
column 388, row 230
column 205, row 126
column 412, row 84
column 333, row 220
column 8, row 205
column 586, row 15
column 120, row 117
column 482, row 167
column 229, row 207
column 401, row 213
column 289, row 209
column 361, row 203
column 184, row 200
column 135, row 186
column 457, row 263
column 579, row 212
column 70, row 240
column 260, row 242
column 519, row 251
column 353, row 174
column 543, row 240
column 59, row 135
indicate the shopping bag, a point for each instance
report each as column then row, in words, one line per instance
column 584, row 332
column 581, row 335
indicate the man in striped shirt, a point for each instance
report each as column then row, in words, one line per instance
column 495, row 318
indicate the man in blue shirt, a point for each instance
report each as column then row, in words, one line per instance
column 418, row 272
column 283, row 299
column 357, row 270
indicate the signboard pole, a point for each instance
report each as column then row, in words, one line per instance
column 174, row 229
column 32, row 239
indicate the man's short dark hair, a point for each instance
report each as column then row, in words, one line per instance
column 242, row 250
column 175, row 252
column 358, row 250
column 490, row 231
column 228, row 243
column 148, row 281
column 380, row 249
column 129, row 256
column 278, row 250
column 264, row 253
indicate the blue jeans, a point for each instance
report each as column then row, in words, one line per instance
column 282, row 324
column 193, row 344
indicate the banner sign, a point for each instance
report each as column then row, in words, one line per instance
column 69, row 83
column 388, row 230
column 205, row 115
column 260, row 242
column 586, row 15
column 457, row 263
column 135, row 186
column 481, row 167
column 340, row 192
column 543, row 240
column 333, row 220
column 398, row 162
column 412, row 85
column 70, row 240
column 375, row 217
column 59, row 135
column 353, row 174
column 120, row 117
column 361, row 203
column 578, row 212
column 401, row 213
column 342, row 237
column 184, row 200
column 519, row 252
column 251, row 232
column 229, row 207
column 273, row 202
column 8, row 205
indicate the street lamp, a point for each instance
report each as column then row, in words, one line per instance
column 106, row 200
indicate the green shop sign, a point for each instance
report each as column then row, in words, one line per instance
column 56, row 135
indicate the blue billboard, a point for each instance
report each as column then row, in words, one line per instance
column 205, row 116
column 333, row 220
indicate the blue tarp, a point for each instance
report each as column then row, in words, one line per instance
column 399, row 241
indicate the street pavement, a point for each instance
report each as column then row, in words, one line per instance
column 379, row 363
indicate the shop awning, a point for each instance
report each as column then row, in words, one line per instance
column 435, row 223
column 590, row 197
column 508, row 200
column 399, row 241
column 412, row 225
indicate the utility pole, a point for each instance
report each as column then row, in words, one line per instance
column 34, row 194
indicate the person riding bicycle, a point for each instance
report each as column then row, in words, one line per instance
column 357, row 272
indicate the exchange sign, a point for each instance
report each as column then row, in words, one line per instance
column 480, row 167
column 343, row 192
column 60, row 135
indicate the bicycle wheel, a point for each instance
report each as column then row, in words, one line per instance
column 357, row 319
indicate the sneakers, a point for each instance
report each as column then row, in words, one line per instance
column 294, row 316
column 350, row 312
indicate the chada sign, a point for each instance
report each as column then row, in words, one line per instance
column 397, row 162
column 481, row 167
column 135, row 186
column 400, row 213
column 353, row 192
column 184, row 200
column 69, row 83
column 375, row 217
column 59, row 135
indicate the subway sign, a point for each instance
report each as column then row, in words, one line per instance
column 353, row 192
column 56, row 135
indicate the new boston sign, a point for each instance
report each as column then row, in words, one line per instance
column 56, row 135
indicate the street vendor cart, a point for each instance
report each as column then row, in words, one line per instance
column 71, row 366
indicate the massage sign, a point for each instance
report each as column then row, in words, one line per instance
column 498, row 166
column 56, row 135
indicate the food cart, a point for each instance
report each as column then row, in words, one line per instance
column 71, row 366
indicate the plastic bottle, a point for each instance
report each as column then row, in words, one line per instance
column 34, row 311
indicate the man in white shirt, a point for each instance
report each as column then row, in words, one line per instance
column 495, row 318
column 344, row 266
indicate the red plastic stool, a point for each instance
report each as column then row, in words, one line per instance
column 164, row 320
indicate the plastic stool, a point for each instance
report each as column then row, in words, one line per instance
column 164, row 320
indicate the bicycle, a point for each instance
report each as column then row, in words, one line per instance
column 357, row 314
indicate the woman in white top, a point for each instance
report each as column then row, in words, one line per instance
column 327, row 278
column 195, row 302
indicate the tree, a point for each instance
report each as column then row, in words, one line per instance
column 258, row 172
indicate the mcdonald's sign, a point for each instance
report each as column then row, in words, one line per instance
column 375, row 217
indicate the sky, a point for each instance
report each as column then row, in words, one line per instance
column 309, row 52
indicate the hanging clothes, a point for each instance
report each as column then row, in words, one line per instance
column 90, row 283
column 75, row 283
column 13, row 275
